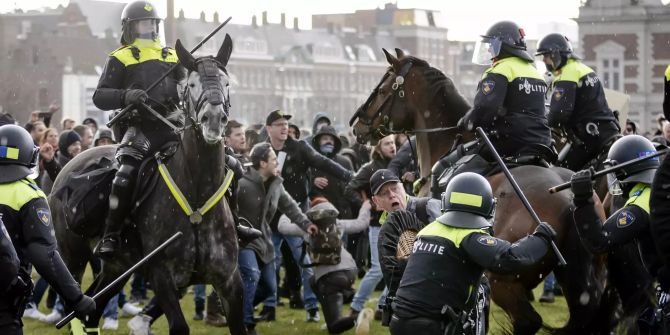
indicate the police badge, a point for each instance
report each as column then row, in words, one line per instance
column 44, row 216
column 558, row 93
column 487, row 86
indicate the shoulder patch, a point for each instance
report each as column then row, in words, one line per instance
column 44, row 215
column 558, row 93
column 625, row 219
column 487, row 241
column 488, row 86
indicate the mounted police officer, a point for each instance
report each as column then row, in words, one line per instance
column 578, row 104
column 450, row 255
column 26, row 220
column 628, row 224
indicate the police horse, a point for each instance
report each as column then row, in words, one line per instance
column 207, row 253
column 416, row 98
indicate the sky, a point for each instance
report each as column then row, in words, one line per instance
column 466, row 20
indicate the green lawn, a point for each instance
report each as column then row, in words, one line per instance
column 292, row 321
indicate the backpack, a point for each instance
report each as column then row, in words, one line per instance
column 326, row 246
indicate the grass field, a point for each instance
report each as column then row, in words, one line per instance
column 291, row 321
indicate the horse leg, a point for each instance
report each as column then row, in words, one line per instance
column 231, row 292
column 168, row 299
column 512, row 297
column 101, row 281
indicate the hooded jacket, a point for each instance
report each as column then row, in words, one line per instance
column 334, row 192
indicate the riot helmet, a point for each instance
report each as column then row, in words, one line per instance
column 18, row 153
column 503, row 39
column 625, row 149
column 558, row 48
column 139, row 19
column 468, row 202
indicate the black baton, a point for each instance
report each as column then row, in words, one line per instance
column 159, row 80
column 518, row 191
column 614, row 168
column 125, row 275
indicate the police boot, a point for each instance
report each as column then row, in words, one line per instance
column 245, row 233
column 214, row 316
column 120, row 200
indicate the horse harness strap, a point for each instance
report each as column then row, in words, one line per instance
column 194, row 216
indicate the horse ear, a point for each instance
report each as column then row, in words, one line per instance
column 224, row 52
column 185, row 57
column 391, row 59
column 399, row 52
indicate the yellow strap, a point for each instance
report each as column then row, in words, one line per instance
column 181, row 199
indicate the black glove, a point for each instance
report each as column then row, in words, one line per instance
column 664, row 278
column 463, row 124
column 134, row 97
column 582, row 185
column 545, row 231
column 84, row 307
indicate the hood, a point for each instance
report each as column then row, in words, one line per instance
column 318, row 116
column 322, row 210
column 327, row 130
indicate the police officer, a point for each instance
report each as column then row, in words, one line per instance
column 510, row 96
column 578, row 104
column 25, row 214
column 628, row 224
column 451, row 254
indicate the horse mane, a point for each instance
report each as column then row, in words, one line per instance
column 443, row 92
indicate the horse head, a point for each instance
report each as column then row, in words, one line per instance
column 411, row 94
column 207, row 90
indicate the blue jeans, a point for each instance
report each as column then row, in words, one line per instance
column 549, row 282
column 372, row 277
column 252, row 272
column 111, row 310
column 199, row 296
column 295, row 244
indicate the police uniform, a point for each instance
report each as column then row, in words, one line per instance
column 578, row 104
column 450, row 255
column 660, row 208
column 666, row 98
column 9, row 260
column 25, row 214
column 630, row 273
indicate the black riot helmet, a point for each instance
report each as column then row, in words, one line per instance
column 18, row 153
column 468, row 202
column 134, row 15
column 628, row 148
column 558, row 48
column 503, row 39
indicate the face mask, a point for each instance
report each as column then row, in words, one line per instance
column 327, row 148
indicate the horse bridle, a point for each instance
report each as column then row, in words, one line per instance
column 212, row 90
column 386, row 128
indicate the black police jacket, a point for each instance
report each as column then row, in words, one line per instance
column 136, row 66
column 510, row 100
column 577, row 99
column 26, row 215
column 447, row 262
column 9, row 260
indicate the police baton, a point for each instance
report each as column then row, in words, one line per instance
column 159, row 80
column 517, row 189
column 614, row 168
column 124, row 276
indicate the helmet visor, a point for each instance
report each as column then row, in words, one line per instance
column 148, row 29
column 486, row 50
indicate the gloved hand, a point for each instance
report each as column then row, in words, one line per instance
column 84, row 307
column 135, row 97
column 582, row 185
column 464, row 124
column 546, row 231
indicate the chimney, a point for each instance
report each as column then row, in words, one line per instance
column 265, row 18
column 283, row 19
column 202, row 16
column 216, row 17
column 254, row 22
column 170, row 28
column 295, row 24
column 181, row 15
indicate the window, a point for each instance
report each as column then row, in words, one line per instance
column 609, row 61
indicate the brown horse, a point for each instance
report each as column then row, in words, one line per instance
column 417, row 98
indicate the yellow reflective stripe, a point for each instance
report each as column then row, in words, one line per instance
column 219, row 193
column 640, row 197
column 453, row 234
column 147, row 53
column 383, row 217
column 514, row 67
column 18, row 193
column 468, row 199
column 176, row 193
column 667, row 73
column 573, row 71
column 12, row 153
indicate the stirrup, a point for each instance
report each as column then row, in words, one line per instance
column 106, row 246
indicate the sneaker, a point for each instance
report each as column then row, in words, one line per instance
column 53, row 317
column 139, row 325
column 548, row 297
column 363, row 321
column 216, row 320
column 110, row 324
column 198, row 316
column 267, row 315
column 129, row 310
column 31, row 312
column 313, row 315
